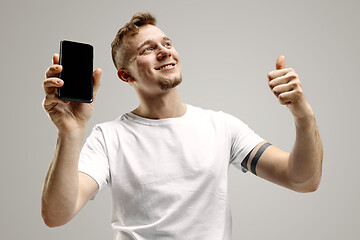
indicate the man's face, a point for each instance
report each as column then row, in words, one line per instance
column 154, row 63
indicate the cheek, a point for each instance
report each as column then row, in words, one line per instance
column 144, row 65
column 144, row 70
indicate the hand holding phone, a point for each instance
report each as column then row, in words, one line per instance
column 77, row 61
column 66, row 116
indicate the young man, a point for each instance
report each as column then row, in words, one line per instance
column 167, row 162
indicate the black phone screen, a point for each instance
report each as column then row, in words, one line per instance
column 77, row 62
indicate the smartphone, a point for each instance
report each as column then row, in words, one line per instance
column 77, row 61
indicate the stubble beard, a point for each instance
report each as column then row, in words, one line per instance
column 167, row 84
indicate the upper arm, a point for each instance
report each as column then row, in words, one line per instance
column 270, row 163
column 87, row 190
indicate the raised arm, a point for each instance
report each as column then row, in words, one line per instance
column 299, row 170
column 65, row 190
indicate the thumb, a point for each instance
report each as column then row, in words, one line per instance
column 280, row 62
column 96, row 78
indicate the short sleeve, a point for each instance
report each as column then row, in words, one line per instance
column 243, row 140
column 94, row 158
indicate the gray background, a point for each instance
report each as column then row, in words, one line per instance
column 226, row 48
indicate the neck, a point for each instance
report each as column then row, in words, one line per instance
column 165, row 105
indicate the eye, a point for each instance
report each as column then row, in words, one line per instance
column 167, row 44
column 147, row 50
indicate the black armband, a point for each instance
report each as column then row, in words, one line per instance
column 245, row 161
column 257, row 156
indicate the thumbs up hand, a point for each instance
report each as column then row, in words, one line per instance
column 286, row 85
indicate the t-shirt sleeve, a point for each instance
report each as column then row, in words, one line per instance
column 94, row 158
column 243, row 140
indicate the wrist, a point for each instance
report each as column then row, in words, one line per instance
column 302, row 111
column 305, row 121
column 74, row 133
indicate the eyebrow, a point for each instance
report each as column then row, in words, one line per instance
column 149, row 41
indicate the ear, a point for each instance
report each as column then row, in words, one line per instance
column 124, row 75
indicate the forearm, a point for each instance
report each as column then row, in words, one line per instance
column 60, row 190
column 301, row 169
column 305, row 164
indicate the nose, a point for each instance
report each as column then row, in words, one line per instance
column 163, row 53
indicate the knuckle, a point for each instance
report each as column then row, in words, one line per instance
column 291, row 70
column 298, row 93
column 270, row 75
column 276, row 91
column 271, row 84
column 47, row 73
column 282, row 99
column 53, row 70
column 292, row 74
column 47, row 98
column 296, row 84
column 46, row 83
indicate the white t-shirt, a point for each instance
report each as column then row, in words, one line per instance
column 168, row 177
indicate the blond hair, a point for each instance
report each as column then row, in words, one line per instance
column 118, row 48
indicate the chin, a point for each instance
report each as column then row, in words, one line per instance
column 167, row 84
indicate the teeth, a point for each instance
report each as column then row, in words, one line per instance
column 166, row 66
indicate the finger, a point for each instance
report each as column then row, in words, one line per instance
column 282, row 79
column 283, row 88
column 56, row 58
column 51, row 100
column 53, row 71
column 51, row 84
column 278, row 73
column 96, row 77
column 289, row 97
column 280, row 62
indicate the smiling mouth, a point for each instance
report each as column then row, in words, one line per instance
column 167, row 66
